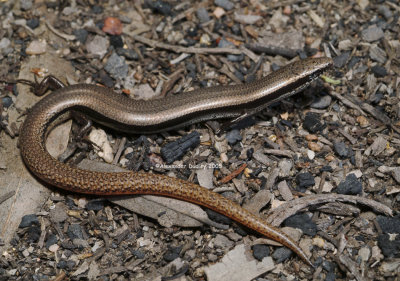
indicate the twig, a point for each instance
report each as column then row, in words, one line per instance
column 180, row 49
column 60, row 34
column 279, row 214
column 233, row 174
column 6, row 196
column 272, row 50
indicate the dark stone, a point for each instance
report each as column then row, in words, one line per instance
column 29, row 220
column 62, row 264
column 312, row 123
column 326, row 169
column 128, row 53
column 51, row 240
column 233, row 136
column 138, row 254
column 341, row 60
column 70, row 265
column 75, row 231
column 81, row 35
column 202, row 15
column 350, row 186
column 7, row 101
column 95, row 204
column 33, row 234
column 97, row 9
column 390, row 248
column 379, row 71
column 116, row 41
column 175, row 150
column 303, row 222
column 172, row 253
column 260, row 251
column 33, row 23
column 281, row 254
column 249, row 153
column 341, row 149
column 214, row 216
column 389, row 225
column 305, row 180
column 159, row 6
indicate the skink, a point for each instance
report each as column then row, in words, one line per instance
column 123, row 113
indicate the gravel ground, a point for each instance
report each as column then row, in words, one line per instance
column 324, row 165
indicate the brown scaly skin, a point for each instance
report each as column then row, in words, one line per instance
column 156, row 115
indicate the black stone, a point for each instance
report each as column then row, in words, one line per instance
column 29, row 220
column 389, row 225
column 81, row 35
column 233, row 136
column 75, row 231
column 390, row 248
column 305, row 180
column 172, row 253
column 281, row 254
column 303, row 222
column 95, row 204
column 33, row 23
column 51, row 240
column 312, row 123
column 33, row 234
column 379, row 71
column 341, row 149
column 214, row 216
column 350, row 186
column 7, row 101
column 175, row 150
column 116, row 41
column 260, row 251
column 341, row 60
column 128, row 53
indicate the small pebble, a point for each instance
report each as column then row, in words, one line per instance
column 112, row 26
column 161, row 7
column 26, row 5
column 202, row 15
column 116, row 66
column 350, row 186
column 128, row 53
column 390, row 247
column 377, row 54
column 379, row 71
column 226, row 4
column 233, row 136
column 36, row 47
column 260, row 251
column 341, row 149
column 51, row 240
column 305, row 180
column 389, row 225
column 33, row 23
column 74, row 231
column 7, row 101
column 340, row 61
column 172, row 253
column 322, row 102
column 97, row 46
column 281, row 254
column 313, row 122
column 29, row 220
column 33, row 234
column 372, row 33
column 81, row 35
column 303, row 222
column 95, row 205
